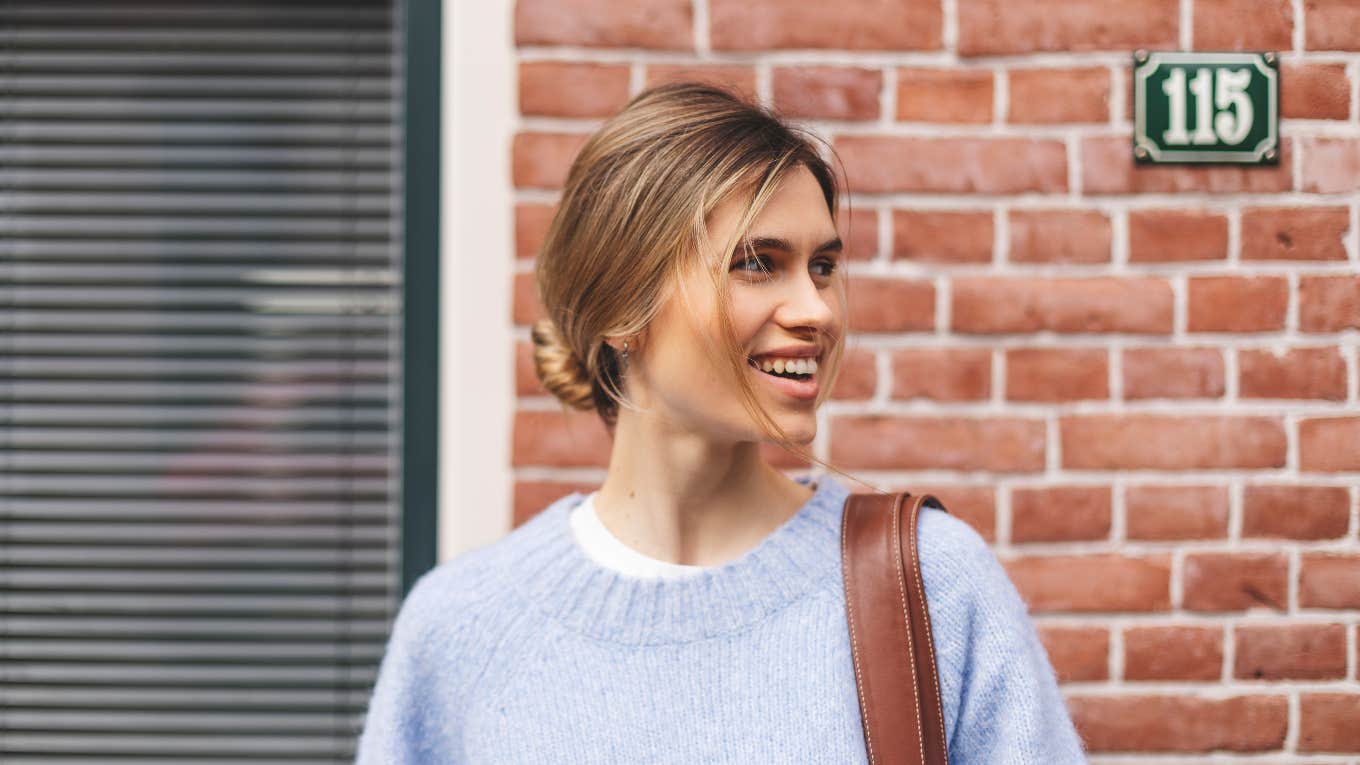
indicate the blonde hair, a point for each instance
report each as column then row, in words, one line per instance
column 632, row 218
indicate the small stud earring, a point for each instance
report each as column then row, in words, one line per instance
column 625, row 356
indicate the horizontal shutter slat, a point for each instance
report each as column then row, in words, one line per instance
column 321, row 605
column 205, row 556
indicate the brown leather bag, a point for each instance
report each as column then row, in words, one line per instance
column 890, row 639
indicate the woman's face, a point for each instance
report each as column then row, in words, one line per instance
column 787, row 307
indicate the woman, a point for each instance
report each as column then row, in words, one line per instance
column 692, row 609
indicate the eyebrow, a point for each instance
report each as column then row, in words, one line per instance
column 783, row 245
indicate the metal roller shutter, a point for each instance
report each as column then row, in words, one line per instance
column 200, row 377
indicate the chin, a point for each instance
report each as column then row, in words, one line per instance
column 801, row 430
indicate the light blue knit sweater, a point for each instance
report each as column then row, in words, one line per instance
column 528, row 651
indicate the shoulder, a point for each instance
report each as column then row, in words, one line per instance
column 966, row 585
column 955, row 559
column 477, row 586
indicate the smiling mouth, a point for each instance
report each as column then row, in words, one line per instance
column 786, row 375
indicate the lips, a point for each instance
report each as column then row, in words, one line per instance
column 791, row 351
column 801, row 390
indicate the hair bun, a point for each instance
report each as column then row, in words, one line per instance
column 559, row 368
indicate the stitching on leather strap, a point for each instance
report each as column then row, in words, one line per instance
column 854, row 642
column 925, row 611
column 906, row 615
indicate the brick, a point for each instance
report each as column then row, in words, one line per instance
column 989, row 305
column 1331, row 25
column 532, row 497
column 1173, row 653
column 1060, row 513
column 1295, row 512
column 1160, row 236
column 886, row 164
column 942, row 374
column 1300, row 373
column 1108, row 168
column 1236, row 303
column 858, row 376
column 891, row 305
column 531, row 227
column 1235, row 581
column 1294, row 233
column 560, row 439
column 658, row 24
column 942, row 236
column 974, row 505
column 1059, row 236
column 1330, row 580
column 1329, row 444
column 1329, row 303
column 1059, row 96
column 735, row 77
column 1243, row 25
column 827, row 92
column 1315, row 91
column 1327, row 722
column 998, row 27
column 859, row 228
column 847, row 25
column 1161, row 513
column 525, row 305
column 1126, row 723
column 541, row 160
column 1170, row 442
column 572, row 89
column 1290, row 652
column 1330, row 165
column 944, row 95
column 1092, row 583
column 1078, row 654
column 1057, row 374
column 1006, row 445
column 526, row 379
column 1173, row 373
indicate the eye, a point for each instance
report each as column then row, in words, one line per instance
column 827, row 263
column 756, row 264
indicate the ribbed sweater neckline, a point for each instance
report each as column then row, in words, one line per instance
column 800, row 556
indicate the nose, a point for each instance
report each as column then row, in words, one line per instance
column 808, row 305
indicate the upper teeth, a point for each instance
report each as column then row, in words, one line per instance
column 796, row 366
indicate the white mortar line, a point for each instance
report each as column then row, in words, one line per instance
column 1300, row 20
column 949, row 32
column 1117, row 97
column 1001, row 97
column 764, row 83
column 886, row 232
column 701, row 39
column 1187, row 24
column 1116, row 657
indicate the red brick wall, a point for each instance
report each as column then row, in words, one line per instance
column 1139, row 384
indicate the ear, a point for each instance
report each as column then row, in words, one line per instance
column 616, row 345
column 634, row 343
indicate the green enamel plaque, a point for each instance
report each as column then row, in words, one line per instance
column 1217, row 108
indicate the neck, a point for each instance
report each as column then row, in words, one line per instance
column 684, row 498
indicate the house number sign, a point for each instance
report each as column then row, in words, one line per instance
column 1220, row 108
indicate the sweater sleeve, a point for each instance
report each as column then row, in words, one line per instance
column 395, row 730
column 1009, row 707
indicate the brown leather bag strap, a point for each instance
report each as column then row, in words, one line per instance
column 890, row 638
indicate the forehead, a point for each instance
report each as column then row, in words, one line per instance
column 796, row 211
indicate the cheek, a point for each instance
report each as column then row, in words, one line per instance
column 749, row 314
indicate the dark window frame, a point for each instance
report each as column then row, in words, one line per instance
column 420, row 317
